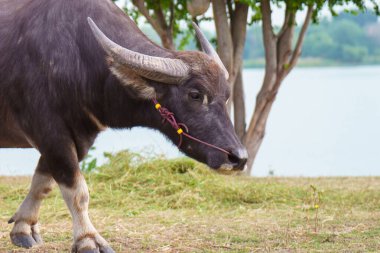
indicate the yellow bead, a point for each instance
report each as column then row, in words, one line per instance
column 180, row 131
column 158, row 106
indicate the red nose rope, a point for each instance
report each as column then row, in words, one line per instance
column 169, row 117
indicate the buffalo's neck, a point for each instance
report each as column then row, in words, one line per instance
column 119, row 108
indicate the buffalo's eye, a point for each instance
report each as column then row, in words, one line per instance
column 195, row 95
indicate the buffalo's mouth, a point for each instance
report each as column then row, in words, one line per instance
column 228, row 169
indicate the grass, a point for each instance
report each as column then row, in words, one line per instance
column 159, row 205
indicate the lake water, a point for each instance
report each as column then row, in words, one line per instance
column 325, row 122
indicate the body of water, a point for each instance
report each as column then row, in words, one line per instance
column 325, row 122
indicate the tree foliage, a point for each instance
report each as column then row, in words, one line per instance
column 345, row 38
column 169, row 18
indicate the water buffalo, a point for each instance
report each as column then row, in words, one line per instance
column 62, row 81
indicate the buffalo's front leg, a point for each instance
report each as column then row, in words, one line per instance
column 86, row 238
column 62, row 154
column 25, row 232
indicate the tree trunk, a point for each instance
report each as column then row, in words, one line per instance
column 238, row 30
column 224, row 40
column 256, row 131
column 239, row 106
column 239, row 18
column 158, row 22
column 167, row 40
column 280, row 60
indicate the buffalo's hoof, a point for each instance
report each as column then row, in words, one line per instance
column 24, row 240
column 106, row 249
column 94, row 244
column 25, row 235
column 103, row 249
column 37, row 238
column 89, row 251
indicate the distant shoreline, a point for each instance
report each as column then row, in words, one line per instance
column 310, row 62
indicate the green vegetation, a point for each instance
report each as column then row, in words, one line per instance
column 344, row 40
column 89, row 162
column 157, row 205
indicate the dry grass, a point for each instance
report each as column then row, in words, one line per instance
column 180, row 206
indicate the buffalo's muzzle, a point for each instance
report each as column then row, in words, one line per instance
column 238, row 158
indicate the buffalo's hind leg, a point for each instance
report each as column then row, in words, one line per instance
column 25, row 232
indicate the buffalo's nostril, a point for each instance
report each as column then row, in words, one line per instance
column 238, row 158
column 241, row 164
column 233, row 159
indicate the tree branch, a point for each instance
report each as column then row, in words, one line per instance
column 301, row 37
column 284, row 41
column 158, row 21
column 269, row 37
column 267, row 19
column 270, row 77
column 160, row 16
column 224, row 38
column 238, row 31
column 286, row 21
column 230, row 9
column 144, row 10
column 171, row 17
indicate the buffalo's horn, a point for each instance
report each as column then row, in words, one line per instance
column 208, row 49
column 160, row 69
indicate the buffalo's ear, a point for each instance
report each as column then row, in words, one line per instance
column 139, row 85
